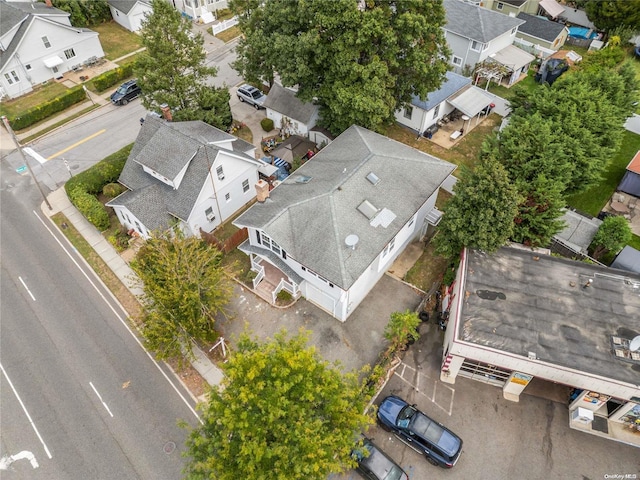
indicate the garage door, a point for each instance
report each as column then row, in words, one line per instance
column 484, row 372
column 321, row 299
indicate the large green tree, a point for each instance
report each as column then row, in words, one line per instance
column 85, row 13
column 185, row 287
column 614, row 233
column 282, row 413
column 172, row 70
column 360, row 61
column 608, row 14
column 480, row 214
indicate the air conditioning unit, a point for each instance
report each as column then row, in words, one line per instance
column 211, row 217
column 221, row 177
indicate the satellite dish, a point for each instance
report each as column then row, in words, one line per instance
column 634, row 345
column 351, row 241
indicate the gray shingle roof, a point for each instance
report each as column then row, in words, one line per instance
column 284, row 101
column 544, row 309
column 311, row 221
column 477, row 23
column 452, row 84
column 167, row 146
column 10, row 17
column 38, row 8
column 125, row 6
column 540, row 27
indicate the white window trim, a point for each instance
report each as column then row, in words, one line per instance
column 436, row 111
column 45, row 41
column 478, row 46
column 408, row 112
column 247, row 188
column 457, row 64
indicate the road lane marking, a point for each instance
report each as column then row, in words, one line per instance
column 32, row 153
column 27, row 289
column 15, row 392
column 137, row 340
column 6, row 461
column 104, row 404
column 71, row 147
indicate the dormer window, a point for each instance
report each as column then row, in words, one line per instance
column 220, row 173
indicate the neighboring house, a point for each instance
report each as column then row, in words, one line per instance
column 455, row 92
column 628, row 259
column 185, row 173
column 578, row 232
column 475, row 34
column 37, row 44
column 526, row 321
column 199, row 9
column 334, row 227
column 576, row 16
column 288, row 112
column 541, row 32
column 630, row 182
column 548, row 8
column 130, row 13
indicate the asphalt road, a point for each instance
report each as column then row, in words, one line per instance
column 80, row 397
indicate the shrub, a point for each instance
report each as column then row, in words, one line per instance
column 47, row 109
column 112, row 190
column 110, row 78
column 90, row 207
column 106, row 171
column 266, row 124
column 119, row 239
column 284, row 296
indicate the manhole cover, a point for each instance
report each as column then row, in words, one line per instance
column 169, row 447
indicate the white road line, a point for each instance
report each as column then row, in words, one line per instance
column 27, row 289
column 104, row 404
column 25, row 411
column 120, row 318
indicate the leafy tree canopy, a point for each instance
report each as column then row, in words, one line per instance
column 614, row 233
column 608, row 14
column 360, row 61
column 185, row 287
column 283, row 414
column 480, row 214
column 172, row 71
column 83, row 13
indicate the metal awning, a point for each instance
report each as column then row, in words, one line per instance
column 267, row 170
column 471, row 101
column 552, row 7
column 512, row 57
column 52, row 62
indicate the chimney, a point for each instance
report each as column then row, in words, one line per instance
column 166, row 112
column 262, row 191
column 48, row 3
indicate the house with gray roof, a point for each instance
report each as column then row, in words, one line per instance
column 542, row 32
column 476, row 35
column 455, row 93
column 336, row 225
column 185, row 173
column 288, row 112
column 130, row 13
column 525, row 321
column 37, row 44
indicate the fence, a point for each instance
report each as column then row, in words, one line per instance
column 229, row 244
column 225, row 25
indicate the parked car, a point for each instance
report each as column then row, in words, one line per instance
column 251, row 95
column 373, row 464
column 440, row 445
column 125, row 93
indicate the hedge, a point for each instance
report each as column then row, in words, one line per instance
column 266, row 124
column 83, row 187
column 110, row 78
column 44, row 110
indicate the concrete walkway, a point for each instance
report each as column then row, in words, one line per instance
column 60, row 203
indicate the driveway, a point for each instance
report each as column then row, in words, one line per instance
column 502, row 439
column 243, row 112
column 354, row 343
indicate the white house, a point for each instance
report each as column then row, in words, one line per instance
column 38, row 43
column 130, row 13
column 455, row 93
column 332, row 228
column 476, row 35
column 521, row 319
column 199, row 9
column 188, row 173
column 288, row 112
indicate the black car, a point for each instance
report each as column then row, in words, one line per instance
column 125, row 93
column 373, row 464
column 426, row 436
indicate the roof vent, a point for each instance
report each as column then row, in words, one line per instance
column 532, row 356
column 373, row 178
column 351, row 241
column 367, row 209
column 302, row 179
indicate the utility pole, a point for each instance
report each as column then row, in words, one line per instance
column 24, row 159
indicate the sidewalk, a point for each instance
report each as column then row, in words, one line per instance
column 60, row 203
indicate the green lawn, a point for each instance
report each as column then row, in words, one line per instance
column 117, row 41
column 229, row 34
column 40, row 94
column 592, row 200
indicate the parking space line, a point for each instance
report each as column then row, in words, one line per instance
column 428, row 383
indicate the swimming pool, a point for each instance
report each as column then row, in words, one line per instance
column 582, row 32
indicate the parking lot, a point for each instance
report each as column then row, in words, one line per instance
column 502, row 439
